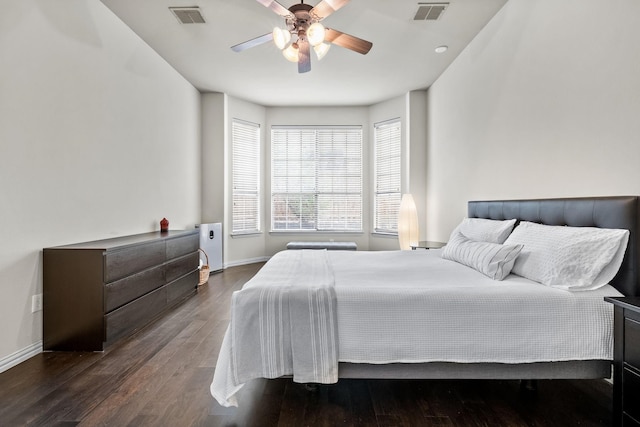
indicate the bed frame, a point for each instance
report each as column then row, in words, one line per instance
column 603, row 212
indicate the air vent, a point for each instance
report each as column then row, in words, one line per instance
column 188, row 15
column 430, row 11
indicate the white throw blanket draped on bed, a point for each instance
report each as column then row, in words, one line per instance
column 281, row 326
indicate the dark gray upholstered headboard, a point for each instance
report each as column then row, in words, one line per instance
column 602, row 212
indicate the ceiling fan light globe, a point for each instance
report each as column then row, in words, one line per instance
column 281, row 38
column 321, row 50
column 315, row 34
column 291, row 53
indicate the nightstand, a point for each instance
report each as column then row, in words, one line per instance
column 425, row 244
column 626, row 373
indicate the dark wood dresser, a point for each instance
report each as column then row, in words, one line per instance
column 97, row 292
column 626, row 376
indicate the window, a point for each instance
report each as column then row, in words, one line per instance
column 246, row 177
column 316, row 178
column 387, row 195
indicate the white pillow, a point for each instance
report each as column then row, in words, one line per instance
column 571, row 258
column 485, row 230
column 491, row 259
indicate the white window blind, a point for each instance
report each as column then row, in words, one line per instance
column 246, row 177
column 316, row 178
column 387, row 194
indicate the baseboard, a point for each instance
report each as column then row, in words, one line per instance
column 20, row 356
column 246, row 261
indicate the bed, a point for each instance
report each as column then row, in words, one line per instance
column 362, row 302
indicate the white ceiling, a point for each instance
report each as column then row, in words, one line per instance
column 402, row 58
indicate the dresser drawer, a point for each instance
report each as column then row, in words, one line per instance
column 181, row 266
column 631, row 394
column 122, row 291
column 132, row 259
column 182, row 245
column 632, row 343
column 135, row 314
column 182, row 287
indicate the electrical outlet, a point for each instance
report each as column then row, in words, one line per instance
column 36, row 303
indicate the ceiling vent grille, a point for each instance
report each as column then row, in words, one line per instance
column 188, row 15
column 430, row 11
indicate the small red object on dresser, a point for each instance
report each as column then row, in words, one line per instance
column 164, row 224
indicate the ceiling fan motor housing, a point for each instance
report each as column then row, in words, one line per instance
column 301, row 19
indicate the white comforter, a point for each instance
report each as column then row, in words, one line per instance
column 414, row 306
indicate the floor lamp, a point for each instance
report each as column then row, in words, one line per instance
column 408, row 233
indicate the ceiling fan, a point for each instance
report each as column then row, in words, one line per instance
column 304, row 31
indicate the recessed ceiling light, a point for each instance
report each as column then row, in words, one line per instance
column 441, row 49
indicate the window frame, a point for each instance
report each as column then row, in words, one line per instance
column 391, row 167
column 241, row 169
column 317, row 185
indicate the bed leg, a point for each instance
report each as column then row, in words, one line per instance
column 529, row 385
column 312, row 387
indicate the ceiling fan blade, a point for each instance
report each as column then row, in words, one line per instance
column 253, row 42
column 327, row 7
column 304, row 57
column 347, row 41
column 275, row 6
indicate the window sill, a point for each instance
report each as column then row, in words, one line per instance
column 247, row 234
column 384, row 235
column 316, row 233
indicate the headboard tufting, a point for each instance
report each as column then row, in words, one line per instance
column 602, row 212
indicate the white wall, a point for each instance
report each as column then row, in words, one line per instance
column 417, row 127
column 213, row 157
column 544, row 102
column 99, row 137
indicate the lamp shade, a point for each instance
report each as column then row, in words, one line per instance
column 408, row 233
column 281, row 38
column 315, row 34
column 321, row 50
column 291, row 53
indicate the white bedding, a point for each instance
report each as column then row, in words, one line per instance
column 414, row 306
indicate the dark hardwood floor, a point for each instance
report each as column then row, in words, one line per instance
column 161, row 375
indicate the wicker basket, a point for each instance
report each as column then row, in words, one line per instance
column 204, row 270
